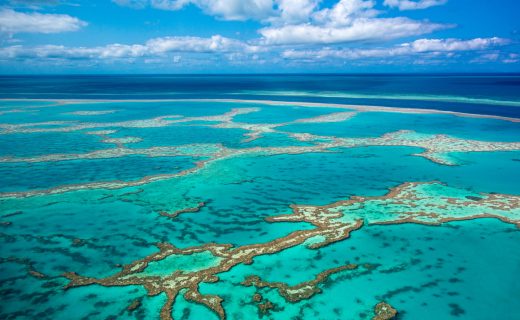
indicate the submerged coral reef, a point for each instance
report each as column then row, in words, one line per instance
column 247, row 209
column 422, row 203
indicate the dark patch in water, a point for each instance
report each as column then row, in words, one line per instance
column 456, row 310
column 12, row 214
column 102, row 304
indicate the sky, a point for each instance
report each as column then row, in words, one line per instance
column 258, row 36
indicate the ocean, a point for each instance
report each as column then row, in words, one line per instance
column 260, row 196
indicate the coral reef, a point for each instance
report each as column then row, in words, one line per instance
column 429, row 203
column 301, row 291
column 175, row 214
column 384, row 311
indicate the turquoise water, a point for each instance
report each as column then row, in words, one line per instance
column 369, row 125
column 33, row 144
column 426, row 271
column 92, row 216
column 20, row 176
column 181, row 135
column 287, row 113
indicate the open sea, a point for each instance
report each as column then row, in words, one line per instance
column 260, row 197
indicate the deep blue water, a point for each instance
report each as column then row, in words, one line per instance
column 421, row 90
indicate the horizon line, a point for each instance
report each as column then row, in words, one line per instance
column 263, row 74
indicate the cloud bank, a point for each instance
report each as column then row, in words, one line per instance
column 13, row 22
column 421, row 46
column 157, row 47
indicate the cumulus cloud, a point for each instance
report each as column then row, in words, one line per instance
column 346, row 21
column 345, row 12
column 224, row 9
column 236, row 9
column 170, row 49
column 358, row 30
column 292, row 31
column 292, row 22
column 281, row 11
column 158, row 47
column 12, row 22
column 421, row 46
column 215, row 43
column 293, row 11
column 413, row 4
column 424, row 45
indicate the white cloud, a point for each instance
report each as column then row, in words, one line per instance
column 304, row 21
column 346, row 21
column 424, row 45
column 215, row 43
column 169, row 4
column 158, row 47
column 293, row 31
column 136, row 4
column 237, row 9
column 487, row 57
column 345, row 12
column 413, row 4
column 12, row 22
column 273, row 11
column 223, row 9
column 169, row 47
column 512, row 58
column 293, row 11
column 282, row 11
column 432, row 47
column 359, row 30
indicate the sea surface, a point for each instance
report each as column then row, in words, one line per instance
column 260, row 197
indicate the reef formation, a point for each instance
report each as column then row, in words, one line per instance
column 437, row 148
column 430, row 203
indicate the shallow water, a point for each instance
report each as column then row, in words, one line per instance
column 72, row 202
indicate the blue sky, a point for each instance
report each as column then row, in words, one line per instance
column 258, row 36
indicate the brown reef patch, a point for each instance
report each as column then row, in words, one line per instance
column 257, row 297
column 134, row 305
column 229, row 257
column 331, row 224
column 175, row 214
column 77, row 242
column 384, row 311
column 302, row 291
column 265, row 308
